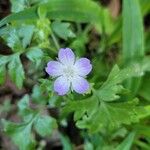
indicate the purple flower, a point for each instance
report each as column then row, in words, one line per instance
column 69, row 72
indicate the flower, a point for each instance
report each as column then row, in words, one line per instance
column 69, row 72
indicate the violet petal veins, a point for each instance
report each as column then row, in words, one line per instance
column 69, row 72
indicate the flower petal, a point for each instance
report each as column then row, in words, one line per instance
column 54, row 68
column 66, row 56
column 83, row 66
column 80, row 85
column 61, row 85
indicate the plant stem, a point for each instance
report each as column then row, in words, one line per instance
column 55, row 41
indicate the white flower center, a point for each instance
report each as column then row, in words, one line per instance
column 69, row 72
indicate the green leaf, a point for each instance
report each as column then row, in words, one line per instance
column 23, row 15
column 143, row 129
column 62, row 30
column 44, row 125
column 42, row 12
column 23, row 104
column 116, row 34
column 79, row 43
column 127, row 143
column 145, row 64
column 2, row 74
column 107, row 114
column 15, row 70
column 36, row 94
column 67, row 145
column 133, row 40
column 18, row 38
column 24, row 109
column 35, row 55
column 109, row 90
column 145, row 90
column 13, row 40
column 46, row 85
column 18, row 5
column 3, row 61
column 20, row 134
column 146, row 112
column 88, row 146
column 39, row 95
column 147, row 42
column 145, row 6
column 69, row 10
column 112, row 86
column 86, row 106
column 111, row 115
column 25, row 32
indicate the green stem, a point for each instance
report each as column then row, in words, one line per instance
column 55, row 41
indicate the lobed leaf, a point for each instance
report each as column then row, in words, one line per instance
column 44, row 125
column 17, row 6
column 111, row 115
column 20, row 134
column 17, row 38
column 62, row 30
column 35, row 55
column 16, row 71
column 112, row 86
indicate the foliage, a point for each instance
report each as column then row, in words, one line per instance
column 114, row 113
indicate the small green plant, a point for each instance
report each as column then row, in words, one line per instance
column 75, row 67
